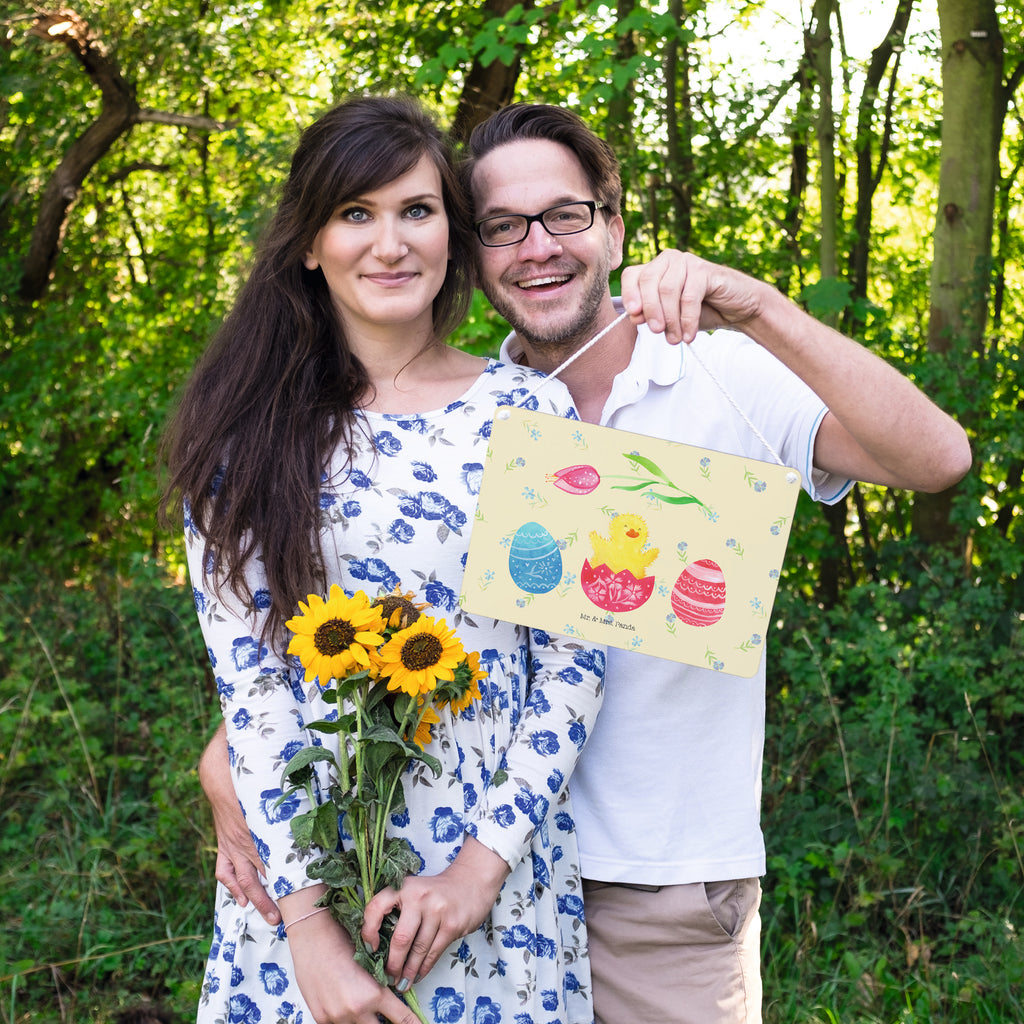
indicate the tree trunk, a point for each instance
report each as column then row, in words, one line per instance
column 487, row 89
column 117, row 115
column 973, row 105
column 679, row 132
column 819, row 55
column 869, row 170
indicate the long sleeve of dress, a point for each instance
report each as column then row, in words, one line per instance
column 263, row 704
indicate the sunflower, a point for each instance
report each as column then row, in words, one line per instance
column 429, row 716
column 417, row 657
column 399, row 609
column 472, row 691
column 332, row 637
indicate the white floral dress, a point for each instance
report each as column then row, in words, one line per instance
column 402, row 516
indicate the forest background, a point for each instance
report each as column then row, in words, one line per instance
column 866, row 158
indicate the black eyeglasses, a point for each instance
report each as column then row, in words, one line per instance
column 564, row 219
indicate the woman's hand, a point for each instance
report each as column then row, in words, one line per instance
column 238, row 864
column 336, row 989
column 435, row 910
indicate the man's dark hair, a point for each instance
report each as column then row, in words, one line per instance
column 521, row 121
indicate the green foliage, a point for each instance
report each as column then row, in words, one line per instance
column 893, row 802
column 107, row 866
column 893, row 780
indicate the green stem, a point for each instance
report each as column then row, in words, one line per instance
column 414, row 1004
column 360, row 834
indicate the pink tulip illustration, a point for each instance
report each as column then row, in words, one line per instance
column 576, row 479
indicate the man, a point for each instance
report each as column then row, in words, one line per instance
column 667, row 792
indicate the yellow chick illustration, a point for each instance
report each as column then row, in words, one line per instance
column 624, row 546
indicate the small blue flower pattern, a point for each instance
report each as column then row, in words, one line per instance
column 403, row 514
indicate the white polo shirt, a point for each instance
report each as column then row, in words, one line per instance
column 668, row 789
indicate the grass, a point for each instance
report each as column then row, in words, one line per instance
column 893, row 810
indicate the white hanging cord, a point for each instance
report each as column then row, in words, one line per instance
column 732, row 401
column 693, row 352
column 593, row 341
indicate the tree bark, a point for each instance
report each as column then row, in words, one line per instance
column 487, row 89
column 869, row 170
column 119, row 112
column 117, row 115
column 973, row 106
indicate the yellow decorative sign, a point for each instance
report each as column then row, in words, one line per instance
column 628, row 540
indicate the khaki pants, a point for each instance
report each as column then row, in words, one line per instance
column 675, row 954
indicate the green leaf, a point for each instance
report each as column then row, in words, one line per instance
column 303, row 826
column 325, row 826
column 299, row 769
column 339, row 870
column 651, row 467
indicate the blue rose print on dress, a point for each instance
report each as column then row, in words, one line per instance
column 541, row 874
column 289, row 750
column 572, row 905
column 401, row 531
column 564, row 822
column 262, row 600
column 274, row 811
column 578, row 734
column 282, row 887
column 555, row 781
column 242, row 1010
column 387, row 444
column 274, row 978
column 533, row 805
column 246, row 652
column 351, row 509
column 590, row 661
column 374, row 570
column 539, row 702
column 487, row 1011
column 357, row 478
column 441, row 596
column 414, row 424
column 446, row 826
column 448, row 1006
column 545, row 742
column 424, row 472
column 519, row 937
column 241, row 718
column 549, row 999
column 472, row 475
column 505, row 816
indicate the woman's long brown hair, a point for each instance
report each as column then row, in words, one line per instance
column 273, row 396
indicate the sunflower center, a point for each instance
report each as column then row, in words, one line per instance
column 391, row 603
column 421, row 651
column 334, row 636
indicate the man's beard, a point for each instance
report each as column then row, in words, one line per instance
column 569, row 335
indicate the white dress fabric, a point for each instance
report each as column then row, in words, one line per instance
column 402, row 515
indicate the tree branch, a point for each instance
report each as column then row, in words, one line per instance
column 119, row 112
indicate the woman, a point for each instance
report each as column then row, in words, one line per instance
column 329, row 435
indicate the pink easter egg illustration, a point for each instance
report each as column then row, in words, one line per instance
column 576, row 479
column 698, row 597
column 614, row 592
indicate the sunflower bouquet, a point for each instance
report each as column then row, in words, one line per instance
column 390, row 669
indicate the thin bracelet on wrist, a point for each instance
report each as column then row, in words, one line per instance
column 312, row 913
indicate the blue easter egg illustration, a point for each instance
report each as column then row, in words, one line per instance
column 534, row 561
